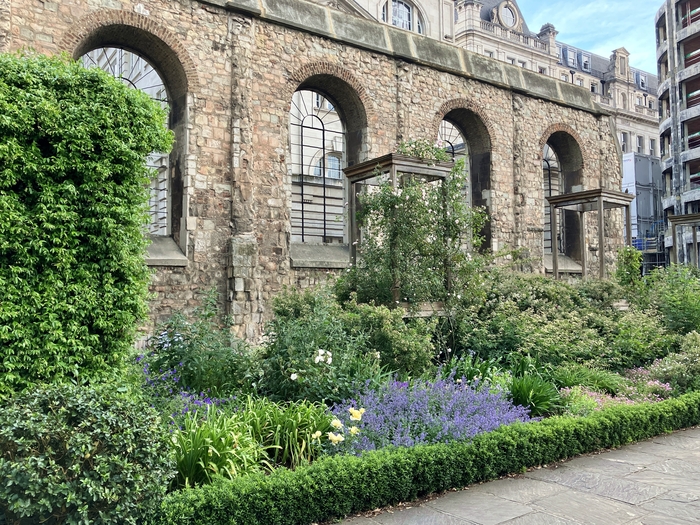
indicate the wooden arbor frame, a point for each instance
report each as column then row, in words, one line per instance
column 583, row 201
column 397, row 168
column 692, row 220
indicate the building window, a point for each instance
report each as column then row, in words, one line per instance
column 571, row 57
column 511, row 60
column 642, row 81
column 137, row 72
column 542, row 70
column 625, row 142
column 522, row 63
column 651, row 103
column 579, row 81
column 403, row 15
column 586, row 63
column 623, row 66
column 639, row 101
column 594, row 87
column 488, row 53
column 452, row 139
column 564, row 77
column 317, row 144
column 560, row 52
column 623, row 100
column 652, row 147
column 640, row 144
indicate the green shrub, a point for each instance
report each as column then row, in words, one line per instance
column 600, row 294
column 214, row 445
column 318, row 352
column 680, row 370
column 288, row 432
column 336, row 486
column 207, row 357
column 471, row 368
column 538, row 395
column 73, row 197
column 577, row 401
column 574, row 374
column 629, row 266
column 80, row 455
column 675, row 292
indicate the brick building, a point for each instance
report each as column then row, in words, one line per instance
column 235, row 74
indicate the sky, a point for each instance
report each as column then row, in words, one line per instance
column 600, row 26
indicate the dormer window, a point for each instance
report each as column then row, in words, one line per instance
column 403, row 15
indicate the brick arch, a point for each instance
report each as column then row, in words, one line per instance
column 300, row 75
column 462, row 103
column 158, row 44
column 554, row 128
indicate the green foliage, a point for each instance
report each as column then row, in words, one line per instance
column 208, row 357
column 288, row 432
column 576, row 401
column 423, row 149
column 415, row 240
column 471, row 368
column 600, row 294
column 80, row 455
column 629, row 266
column 404, row 346
column 311, row 353
column 336, row 486
column 574, row 374
column 73, row 196
column 536, row 394
column 675, row 292
column 211, row 445
column 680, row 370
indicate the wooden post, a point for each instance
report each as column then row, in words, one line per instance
column 675, row 243
column 601, row 238
column 628, row 217
column 555, row 248
column 695, row 246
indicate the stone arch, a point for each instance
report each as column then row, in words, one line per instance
column 354, row 104
column 561, row 127
column 478, row 131
column 162, row 49
column 565, row 142
column 138, row 33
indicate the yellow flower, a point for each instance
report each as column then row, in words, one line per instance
column 316, row 435
column 336, row 423
column 356, row 415
column 354, row 430
column 335, row 438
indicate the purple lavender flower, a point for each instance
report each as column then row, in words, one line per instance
column 423, row 412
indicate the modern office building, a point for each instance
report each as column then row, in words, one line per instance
column 678, row 53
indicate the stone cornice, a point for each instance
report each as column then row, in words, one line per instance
column 411, row 47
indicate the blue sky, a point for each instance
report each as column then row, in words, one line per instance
column 600, row 26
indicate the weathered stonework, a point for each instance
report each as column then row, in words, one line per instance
column 232, row 69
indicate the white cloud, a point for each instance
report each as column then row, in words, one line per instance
column 600, row 27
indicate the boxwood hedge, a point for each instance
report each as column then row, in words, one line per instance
column 339, row 485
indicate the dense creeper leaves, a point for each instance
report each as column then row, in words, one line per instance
column 73, row 194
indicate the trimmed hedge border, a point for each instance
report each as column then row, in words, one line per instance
column 336, row 486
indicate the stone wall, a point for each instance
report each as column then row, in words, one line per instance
column 238, row 65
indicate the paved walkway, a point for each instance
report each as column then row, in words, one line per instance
column 656, row 482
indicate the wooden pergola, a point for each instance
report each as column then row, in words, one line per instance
column 692, row 220
column 582, row 202
column 396, row 167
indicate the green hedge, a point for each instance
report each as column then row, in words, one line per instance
column 340, row 485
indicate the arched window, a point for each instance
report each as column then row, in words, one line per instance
column 403, row 15
column 452, row 139
column 137, row 72
column 317, row 143
column 552, row 186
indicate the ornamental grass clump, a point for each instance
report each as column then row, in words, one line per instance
column 405, row 414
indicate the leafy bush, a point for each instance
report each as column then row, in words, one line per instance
column 472, row 369
column 629, row 266
column 579, row 401
column 288, row 432
column 600, row 294
column 214, row 444
column 680, row 370
column 537, row 395
column 200, row 356
column 336, row 486
column 408, row 414
column 675, row 292
column 574, row 374
column 73, row 196
column 315, row 351
column 80, row 455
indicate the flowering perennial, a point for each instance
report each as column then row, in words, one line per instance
column 406, row 414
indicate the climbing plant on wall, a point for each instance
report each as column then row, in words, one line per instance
column 73, row 195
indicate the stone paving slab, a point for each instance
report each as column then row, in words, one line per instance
column 656, row 482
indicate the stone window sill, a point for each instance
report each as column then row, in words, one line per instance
column 164, row 251
column 326, row 256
